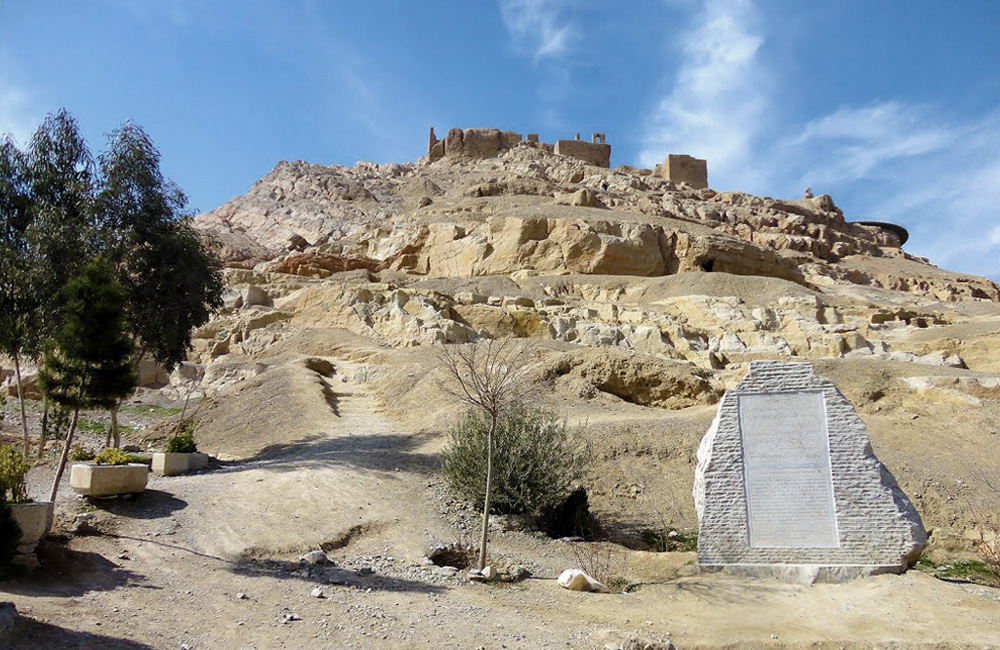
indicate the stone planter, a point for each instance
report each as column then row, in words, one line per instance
column 108, row 480
column 171, row 464
column 35, row 520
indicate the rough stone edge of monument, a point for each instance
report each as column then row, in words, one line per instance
column 802, row 573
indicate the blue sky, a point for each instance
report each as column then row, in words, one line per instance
column 890, row 106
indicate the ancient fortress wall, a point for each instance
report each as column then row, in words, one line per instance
column 487, row 143
column 680, row 168
column 592, row 153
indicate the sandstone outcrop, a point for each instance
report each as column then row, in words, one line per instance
column 506, row 205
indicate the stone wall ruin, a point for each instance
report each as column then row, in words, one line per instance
column 488, row 143
column 681, row 168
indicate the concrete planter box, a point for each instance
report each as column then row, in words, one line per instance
column 35, row 520
column 171, row 464
column 108, row 480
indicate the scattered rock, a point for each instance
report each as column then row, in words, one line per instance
column 517, row 573
column 254, row 295
column 577, row 580
column 315, row 558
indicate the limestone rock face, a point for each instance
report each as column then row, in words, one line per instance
column 787, row 484
column 501, row 205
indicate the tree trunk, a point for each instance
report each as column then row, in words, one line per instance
column 20, row 399
column 114, row 427
column 43, row 437
column 65, row 455
column 489, row 492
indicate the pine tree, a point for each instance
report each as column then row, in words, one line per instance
column 88, row 364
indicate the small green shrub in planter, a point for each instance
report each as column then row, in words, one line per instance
column 111, row 456
column 182, row 443
column 13, row 474
column 80, row 454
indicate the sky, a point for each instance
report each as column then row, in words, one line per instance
column 890, row 106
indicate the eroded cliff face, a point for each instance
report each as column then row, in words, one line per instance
column 530, row 209
column 645, row 301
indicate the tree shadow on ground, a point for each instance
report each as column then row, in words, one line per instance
column 719, row 589
column 384, row 454
column 65, row 572
column 331, row 577
column 30, row 634
column 150, row 504
column 168, row 545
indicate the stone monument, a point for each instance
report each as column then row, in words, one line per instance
column 787, row 485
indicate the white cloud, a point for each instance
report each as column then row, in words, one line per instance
column 537, row 27
column 994, row 236
column 935, row 174
column 866, row 139
column 719, row 97
column 911, row 165
column 17, row 116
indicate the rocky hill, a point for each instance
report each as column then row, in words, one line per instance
column 638, row 290
column 643, row 299
column 529, row 209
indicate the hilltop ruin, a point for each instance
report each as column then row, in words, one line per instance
column 489, row 143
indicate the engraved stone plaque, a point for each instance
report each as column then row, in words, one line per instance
column 786, row 467
column 787, row 485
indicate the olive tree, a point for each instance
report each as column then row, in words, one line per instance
column 488, row 377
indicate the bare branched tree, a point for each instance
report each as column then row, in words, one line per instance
column 488, row 376
column 986, row 519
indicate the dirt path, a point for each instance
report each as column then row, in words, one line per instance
column 207, row 561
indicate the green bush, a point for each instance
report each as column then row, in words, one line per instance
column 10, row 535
column 111, row 456
column 182, row 443
column 80, row 454
column 535, row 464
column 13, row 474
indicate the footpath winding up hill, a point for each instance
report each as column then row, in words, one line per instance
column 645, row 300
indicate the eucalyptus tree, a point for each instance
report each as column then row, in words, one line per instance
column 59, row 211
column 171, row 279
column 18, row 299
column 45, row 199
